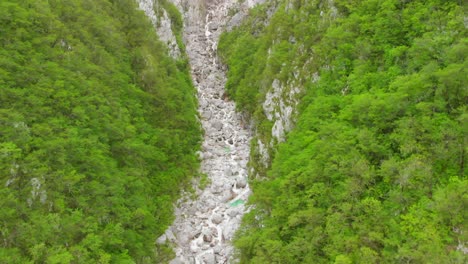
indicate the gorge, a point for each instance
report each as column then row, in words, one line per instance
column 204, row 227
column 233, row 131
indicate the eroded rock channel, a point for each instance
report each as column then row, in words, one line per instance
column 204, row 226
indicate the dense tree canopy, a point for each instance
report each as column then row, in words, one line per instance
column 98, row 129
column 375, row 169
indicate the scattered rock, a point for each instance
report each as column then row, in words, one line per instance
column 207, row 114
column 241, row 182
column 183, row 238
column 203, row 103
column 217, row 249
column 217, row 187
column 206, row 231
column 217, row 125
column 194, row 248
column 205, row 247
column 228, row 172
column 199, row 242
column 214, row 231
column 170, row 236
column 210, row 204
column 212, row 26
column 162, row 239
column 207, row 155
column 209, row 258
column 226, row 196
column 233, row 212
column 216, row 219
column 196, row 234
column 229, row 228
column 207, row 238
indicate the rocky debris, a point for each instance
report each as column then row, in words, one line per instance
column 204, row 227
column 233, row 212
column 228, row 172
column 206, row 115
column 185, row 234
column 207, row 238
column 229, row 228
column 217, row 125
column 207, row 234
column 216, row 218
column 226, row 196
column 209, row 258
column 241, row 182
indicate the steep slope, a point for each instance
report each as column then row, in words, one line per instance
column 374, row 169
column 98, row 131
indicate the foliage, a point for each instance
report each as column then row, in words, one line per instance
column 375, row 169
column 98, row 130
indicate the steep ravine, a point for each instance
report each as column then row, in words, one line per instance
column 204, row 226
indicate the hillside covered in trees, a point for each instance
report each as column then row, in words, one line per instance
column 98, row 130
column 375, row 169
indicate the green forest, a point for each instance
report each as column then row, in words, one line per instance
column 375, row 169
column 98, row 132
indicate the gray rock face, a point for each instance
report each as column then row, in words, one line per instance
column 279, row 108
column 163, row 28
column 204, row 227
column 167, row 36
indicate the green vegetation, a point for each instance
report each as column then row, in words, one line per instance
column 375, row 169
column 204, row 181
column 98, row 131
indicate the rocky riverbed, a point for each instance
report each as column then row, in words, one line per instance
column 204, row 226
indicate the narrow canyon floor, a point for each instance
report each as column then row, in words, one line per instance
column 204, row 226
